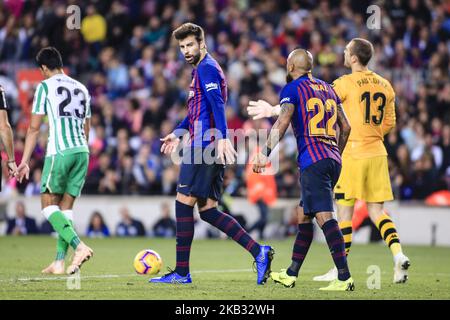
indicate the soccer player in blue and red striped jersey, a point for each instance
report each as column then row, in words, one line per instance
column 201, row 179
column 314, row 110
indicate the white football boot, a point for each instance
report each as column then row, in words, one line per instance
column 331, row 275
column 401, row 266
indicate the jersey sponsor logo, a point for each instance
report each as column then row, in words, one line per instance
column 327, row 141
column 211, row 86
column 285, row 100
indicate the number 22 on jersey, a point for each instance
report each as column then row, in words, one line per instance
column 313, row 125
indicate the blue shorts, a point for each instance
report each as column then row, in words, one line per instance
column 317, row 182
column 201, row 180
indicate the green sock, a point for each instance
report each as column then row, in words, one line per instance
column 62, row 246
column 62, row 225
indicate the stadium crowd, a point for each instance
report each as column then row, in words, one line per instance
column 139, row 81
column 128, row 226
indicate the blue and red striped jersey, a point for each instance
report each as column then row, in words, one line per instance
column 206, row 103
column 314, row 119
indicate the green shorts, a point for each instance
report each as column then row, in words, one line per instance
column 65, row 173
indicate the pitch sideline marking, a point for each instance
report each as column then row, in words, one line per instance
column 108, row 276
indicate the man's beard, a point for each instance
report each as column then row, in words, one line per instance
column 289, row 78
column 195, row 59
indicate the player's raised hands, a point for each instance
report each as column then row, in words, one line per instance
column 261, row 109
column 259, row 163
column 23, row 171
column 12, row 168
column 170, row 143
column 226, row 152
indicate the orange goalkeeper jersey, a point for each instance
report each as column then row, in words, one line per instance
column 369, row 103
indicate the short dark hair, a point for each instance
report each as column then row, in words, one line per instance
column 363, row 49
column 189, row 29
column 49, row 57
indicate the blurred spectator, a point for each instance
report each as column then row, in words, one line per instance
column 93, row 29
column 97, row 227
column 21, row 224
column 166, row 226
column 292, row 223
column 46, row 228
column 262, row 191
column 129, row 227
column 108, row 184
column 138, row 80
column 34, row 186
column 127, row 181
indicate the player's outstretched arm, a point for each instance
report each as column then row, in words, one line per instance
column 87, row 129
column 262, row 109
column 276, row 134
column 169, row 143
column 389, row 116
column 226, row 152
column 6, row 135
column 30, row 143
column 344, row 128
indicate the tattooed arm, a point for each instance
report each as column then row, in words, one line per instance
column 279, row 127
column 344, row 128
column 276, row 134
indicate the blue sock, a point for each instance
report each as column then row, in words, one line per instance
column 336, row 244
column 227, row 224
column 185, row 234
column 301, row 246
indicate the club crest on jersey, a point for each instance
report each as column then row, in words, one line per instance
column 191, row 94
column 211, row 86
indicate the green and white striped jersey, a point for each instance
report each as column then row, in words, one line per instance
column 66, row 102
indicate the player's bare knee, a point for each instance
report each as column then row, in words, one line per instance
column 67, row 202
column 323, row 217
column 206, row 204
column 301, row 217
column 375, row 210
column 344, row 213
column 305, row 219
column 50, row 199
column 187, row 200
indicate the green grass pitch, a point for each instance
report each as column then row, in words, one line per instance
column 220, row 270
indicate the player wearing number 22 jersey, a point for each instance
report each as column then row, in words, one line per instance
column 314, row 126
column 313, row 109
column 314, row 121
